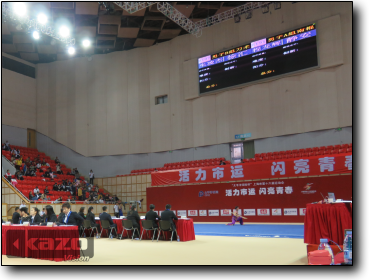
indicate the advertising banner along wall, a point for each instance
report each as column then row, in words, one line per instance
column 282, row 200
column 312, row 166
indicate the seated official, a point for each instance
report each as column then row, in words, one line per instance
column 49, row 216
column 168, row 215
column 35, row 218
column 69, row 217
column 82, row 212
column 16, row 216
column 24, row 215
column 105, row 216
column 61, row 216
column 91, row 217
column 133, row 216
column 152, row 216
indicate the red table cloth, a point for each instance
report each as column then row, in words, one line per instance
column 41, row 242
column 184, row 228
column 327, row 221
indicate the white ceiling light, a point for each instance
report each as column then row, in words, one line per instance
column 71, row 50
column 86, row 43
column 42, row 18
column 64, row 31
column 20, row 8
column 36, row 35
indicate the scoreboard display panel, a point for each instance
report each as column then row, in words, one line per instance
column 277, row 55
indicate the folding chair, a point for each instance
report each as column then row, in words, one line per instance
column 165, row 226
column 106, row 226
column 87, row 225
column 147, row 225
column 127, row 225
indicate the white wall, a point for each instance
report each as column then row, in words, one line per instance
column 14, row 135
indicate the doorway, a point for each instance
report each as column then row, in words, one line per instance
column 31, row 138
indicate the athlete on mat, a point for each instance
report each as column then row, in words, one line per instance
column 236, row 217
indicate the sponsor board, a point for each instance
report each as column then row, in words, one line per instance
column 225, row 212
column 263, row 212
column 192, row 212
column 213, row 212
column 302, row 211
column 181, row 213
column 290, row 212
column 202, row 212
column 249, row 212
column 276, row 211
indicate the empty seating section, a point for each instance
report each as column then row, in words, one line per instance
column 298, row 153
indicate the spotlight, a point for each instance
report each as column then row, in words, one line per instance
column 248, row 15
column 71, row 50
column 64, row 31
column 277, row 5
column 20, row 8
column 265, row 9
column 236, row 18
column 86, row 43
column 36, row 35
column 42, row 18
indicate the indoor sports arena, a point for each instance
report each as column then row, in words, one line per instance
column 176, row 133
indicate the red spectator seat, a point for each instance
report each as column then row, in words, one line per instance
column 335, row 151
column 344, row 146
column 341, row 151
column 278, row 157
column 349, row 150
column 308, row 150
column 330, row 147
column 252, row 160
column 269, row 154
column 259, row 159
column 301, row 151
column 305, row 155
column 311, row 154
column 259, row 155
column 327, row 152
column 282, row 153
column 294, row 151
column 337, row 147
column 350, row 145
column 319, row 153
column 246, row 160
column 265, row 158
column 275, row 153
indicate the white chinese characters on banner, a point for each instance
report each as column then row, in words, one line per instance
column 271, row 190
column 184, row 175
column 279, row 190
column 218, row 172
column 252, row 191
column 236, row 192
column 301, row 166
column 326, row 163
column 288, row 190
column 202, row 175
column 278, row 167
column 262, row 191
column 237, row 171
column 229, row 192
column 244, row 191
column 348, row 162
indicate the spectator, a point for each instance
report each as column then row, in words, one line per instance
column 24, row 169
column 55, row 187
column 43, row 197
column 31, row 196
column 47, row 164
column 36, row 190
column 23, row 204
column 43, row 162
column 59, row 188
column 7, row 146
column 83, row 193
column 57, row 161
column 8, row 175
column 59, row 169
column 222, row 162
column 46, row 191
column 79, row 193
column 19, row 176
column 101, row 200
column 116, row 210
column 38, row 166
column 18, row 163
column 115, row 198
column 46, row 174
column 91, row 175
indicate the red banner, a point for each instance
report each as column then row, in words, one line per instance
column 280, row 201
column 319, row 165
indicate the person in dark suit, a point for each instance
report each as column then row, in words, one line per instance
column 168, row 215
column 82, row 212
column 105, row 216
column 133, row 216
column 24, row 215
column 61, row 216
column 152, row 216
column 91, row 217
column 49, row 216
column 16, row 216
column 69, row 217
column 35, row 218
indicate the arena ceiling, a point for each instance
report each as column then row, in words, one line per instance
column 109, row 30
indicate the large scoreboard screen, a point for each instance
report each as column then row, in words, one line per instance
column 277, row 55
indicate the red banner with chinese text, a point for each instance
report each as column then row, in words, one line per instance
column 311, row 166
column 269, row 201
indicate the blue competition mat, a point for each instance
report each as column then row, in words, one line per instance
column 250, row 230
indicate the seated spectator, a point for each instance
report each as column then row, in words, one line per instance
column 51, row 174
column 46, row 191
column 43, row 163
column 8, row 175
column 46, row 174
column 59, row 169
column 57, row 161
column 60, row 188
column 19, row 176
column 32, row 167
column 101, row 200
column 91, row 176
column 32, row 197
column 222, row 162
column 47, row 164
column 60, row 199
column 43, row 197
column 17, row 154
column 36, row 190
column 38, row 166
column 55, row 187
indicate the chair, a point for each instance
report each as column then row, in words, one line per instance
column 349, row 150
column 337, row 147
column 127, row 225
column 87, row 225
column 106, row 226
column 165, row 226
column 147, row 225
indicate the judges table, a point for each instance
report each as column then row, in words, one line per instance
column 184, row 228
column 327, row 221
column 40, row 242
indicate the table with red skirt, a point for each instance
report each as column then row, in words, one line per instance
column 184, row 228
column 327, row 221
column 41, row 242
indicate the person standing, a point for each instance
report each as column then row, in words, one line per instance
column 16, row 216
column 116, row 210
column 79, row 193
column 120, row 212
column 91, row 175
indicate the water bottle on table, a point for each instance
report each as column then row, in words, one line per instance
column 324, row 245
column 178, row 238
column 347, row 247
